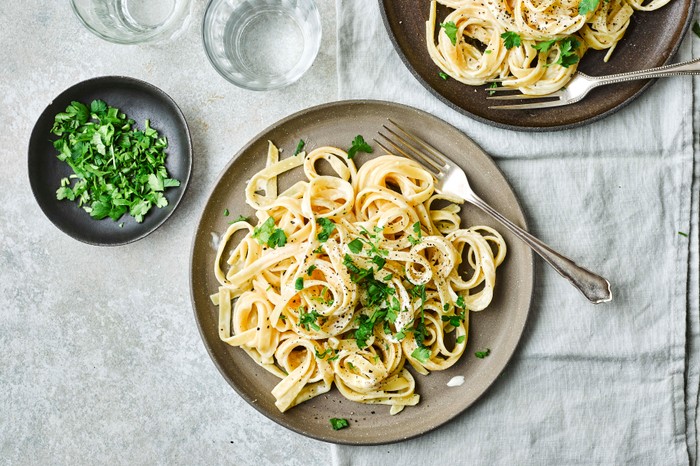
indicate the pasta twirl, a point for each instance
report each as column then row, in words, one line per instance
column 347, row 278
column 548, row 37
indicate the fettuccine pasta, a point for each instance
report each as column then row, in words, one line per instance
column 532, row 45
column 346, row 278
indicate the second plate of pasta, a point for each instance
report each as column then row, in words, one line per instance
column 535, row 47
column 327, row 287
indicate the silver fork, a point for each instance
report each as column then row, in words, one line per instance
column 452, row 179
column 581, row 84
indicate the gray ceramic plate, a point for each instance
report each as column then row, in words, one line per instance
column 498, row 328
column 652, row 39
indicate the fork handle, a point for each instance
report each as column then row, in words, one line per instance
column 688, row 67
column 593, row 287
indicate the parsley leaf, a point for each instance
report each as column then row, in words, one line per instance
column 310, row 270
column 339, row 423
column 682, row 233
column 421, row 353
column 696, row 28
column 493, row 86
column 417, row 231
column 379, row 262
column 451, row 31
column 364, row 331
column 355, row 245
column 567, row 52
column 460, row 301
column 443, row 75
column 327, row 227
column 510, row 39
column 226, row 213
column 240, row 218
column 482, row 354
column 359, row 145
column 299, row 284
column 460, row 339
column 544, row 46
column 586, row 6
column 269, row 235
column 277, row 238
column 300, row 147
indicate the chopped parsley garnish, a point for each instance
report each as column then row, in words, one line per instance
column 460, row 301
column 117, row 168
column 487, row 52
column 419, row 329
column 511, row 39
column 696, row 28
column 416, row 229
column 544, row 46
column 240, row 218
column 355, row 245
column 460, row 339
column 455, row 320
column 482, row 354
column 327, row 227
column 268, row 234
column 359, row 145
column 421, row 353
column 379, row 262
column 389, row 277
column 310, row 270
column 308, row 319
column 493, row 86
column 586, row 6
column 351, row 366
column 328, row 352
column 450, row 29
column 226, row 213
column 300, row 147
column 567, row 52
column 682, row 233
column 339, row 423
column 299, row 284
column 443, row 75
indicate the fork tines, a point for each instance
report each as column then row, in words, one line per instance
column 405, row 144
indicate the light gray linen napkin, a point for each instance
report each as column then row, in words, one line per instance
column 617, row 383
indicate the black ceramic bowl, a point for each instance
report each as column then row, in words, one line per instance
column 139, row 100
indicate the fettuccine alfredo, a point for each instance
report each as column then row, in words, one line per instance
column 532, row 45
column 347, row 277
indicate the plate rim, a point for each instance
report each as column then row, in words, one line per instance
column 111, row 79
column 533, row 129
column 209, row 348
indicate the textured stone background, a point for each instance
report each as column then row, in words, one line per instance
column 100, row 357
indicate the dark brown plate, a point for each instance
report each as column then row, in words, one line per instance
column 139, row 100
column 651, row 40
column 498, row 328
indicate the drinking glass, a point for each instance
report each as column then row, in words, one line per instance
column 133, row 21
column 261, row 44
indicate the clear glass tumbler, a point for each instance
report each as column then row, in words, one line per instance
column 133, row 21
column 261, row 44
